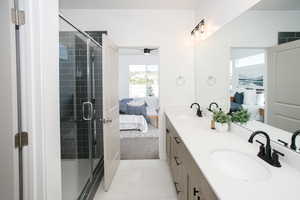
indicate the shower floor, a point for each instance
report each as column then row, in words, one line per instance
column 75, row 174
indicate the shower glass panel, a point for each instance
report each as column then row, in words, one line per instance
column 95, row 53
column 76, row 111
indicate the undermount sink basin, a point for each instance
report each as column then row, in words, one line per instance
column 239, row 165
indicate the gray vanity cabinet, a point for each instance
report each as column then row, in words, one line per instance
column 175, row 161
column 189, row 182
column 168, row 145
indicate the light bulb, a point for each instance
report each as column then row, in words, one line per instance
column 202, row 27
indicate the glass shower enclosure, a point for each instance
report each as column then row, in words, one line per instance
column 80, row 73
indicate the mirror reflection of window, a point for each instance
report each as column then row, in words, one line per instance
column 247, row 73
column 248, row 66
column 143, row 81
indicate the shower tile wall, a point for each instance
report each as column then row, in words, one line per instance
column 73, row 91
column 67, row 75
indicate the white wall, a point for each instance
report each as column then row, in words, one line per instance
column 218, row 13
column 252, row 29
column 167, row 29
column 124, row 62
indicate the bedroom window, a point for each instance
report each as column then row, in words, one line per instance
column 253, row 60
column 143, row 80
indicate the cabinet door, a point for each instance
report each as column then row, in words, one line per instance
column 183, row 181
column 173, row 165
column 180, row 178
column 199, row 188
column 168, row 145
column 195, row 188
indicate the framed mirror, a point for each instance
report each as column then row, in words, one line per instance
column 264, row 71
column 256, row 56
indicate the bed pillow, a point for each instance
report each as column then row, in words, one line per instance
column 250, row 97
column 136, row 102
column 123, row 105
column 137, row 110
column 239, row 98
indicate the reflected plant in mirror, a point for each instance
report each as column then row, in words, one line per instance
column 222, row 120
column 242, row 116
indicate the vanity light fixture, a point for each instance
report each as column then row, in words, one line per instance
column 147, row 52
column 199, row 28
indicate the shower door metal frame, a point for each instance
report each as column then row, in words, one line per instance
column 86, row 192
column 21, row 138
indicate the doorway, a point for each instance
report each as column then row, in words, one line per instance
column 139, row 102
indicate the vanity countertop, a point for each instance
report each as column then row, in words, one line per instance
column 201, row 141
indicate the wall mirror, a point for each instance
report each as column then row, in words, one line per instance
column 265, row 67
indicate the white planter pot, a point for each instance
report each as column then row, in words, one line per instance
column 222, row 127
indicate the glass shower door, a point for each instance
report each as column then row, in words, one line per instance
column 96, row 91
column 75, row 111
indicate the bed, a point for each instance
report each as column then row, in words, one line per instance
column 139, row 139
column 138, row 145
column 133, row 123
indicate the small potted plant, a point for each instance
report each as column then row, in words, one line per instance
column 222, row 120
column 241, row 117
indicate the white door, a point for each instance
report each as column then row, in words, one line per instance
column 283, row 86
column 111, row 131
column 8, row 109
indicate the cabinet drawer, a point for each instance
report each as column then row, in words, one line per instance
column 168, row 146
column 180, row 179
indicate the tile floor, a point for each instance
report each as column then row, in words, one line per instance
column 140, row 180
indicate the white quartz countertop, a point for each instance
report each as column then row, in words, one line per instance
column 201, row 141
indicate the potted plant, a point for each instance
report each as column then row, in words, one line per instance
column 222, row 120
column 242, row 116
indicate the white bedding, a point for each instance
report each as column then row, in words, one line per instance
column 133, row 122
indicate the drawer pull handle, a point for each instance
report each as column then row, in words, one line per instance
column 176, row 188
column 177, row 161
column 195, row 191
column 167, row 130
column 177, row 140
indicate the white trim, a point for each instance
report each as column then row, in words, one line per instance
column 9, row 188
column 40, row 63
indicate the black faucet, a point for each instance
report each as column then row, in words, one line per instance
column 199, row 112
column 293, row 144
column 210, row 105
column 265, row 153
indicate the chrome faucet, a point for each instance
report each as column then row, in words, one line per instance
column 199, row 112
column 293, row 144
column 210, row 106
column 265, row 153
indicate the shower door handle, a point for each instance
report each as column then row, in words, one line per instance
column 106, row 121
column 90, row 112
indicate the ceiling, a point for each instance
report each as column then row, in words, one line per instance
column 168, row 4
column 128, row 4
column 277, row 5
